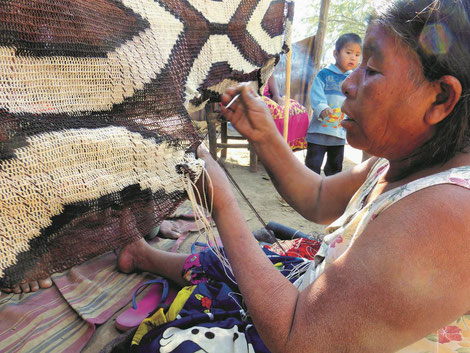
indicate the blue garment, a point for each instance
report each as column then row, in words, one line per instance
column 326, row 93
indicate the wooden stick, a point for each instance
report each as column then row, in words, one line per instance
column 287, row 96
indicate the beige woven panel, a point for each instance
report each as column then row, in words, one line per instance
column 94, row 125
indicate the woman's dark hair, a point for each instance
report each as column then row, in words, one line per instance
column 345, row 39
column 439, row 32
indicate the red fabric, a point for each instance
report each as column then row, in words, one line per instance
column 301, row 247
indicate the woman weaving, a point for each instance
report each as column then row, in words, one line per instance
column 392, row 272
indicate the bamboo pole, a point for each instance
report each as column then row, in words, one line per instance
column 320, row 36
column 287, row 96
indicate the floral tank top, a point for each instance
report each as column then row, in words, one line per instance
column 342, row 233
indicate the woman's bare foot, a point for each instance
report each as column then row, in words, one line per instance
column 128, row 256
column 27, row 287
column 169, row 230
column 140, row 256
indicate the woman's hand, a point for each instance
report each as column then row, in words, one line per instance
column 248, row 114
column 215, row 186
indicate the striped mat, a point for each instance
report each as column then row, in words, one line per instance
column 63, row 318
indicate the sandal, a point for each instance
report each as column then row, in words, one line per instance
column 157, row 297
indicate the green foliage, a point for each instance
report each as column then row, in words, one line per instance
column 343, row 16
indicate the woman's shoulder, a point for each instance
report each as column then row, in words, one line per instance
column 442, row 195
column 459, row 175
column 455, row 172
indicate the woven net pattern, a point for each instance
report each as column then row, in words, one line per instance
column 94, row 125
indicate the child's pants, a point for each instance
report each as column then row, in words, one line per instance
column 334, row 160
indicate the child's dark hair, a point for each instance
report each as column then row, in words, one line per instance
column 347, row 38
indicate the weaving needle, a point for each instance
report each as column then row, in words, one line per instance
column 221, row 117
column 232, row 101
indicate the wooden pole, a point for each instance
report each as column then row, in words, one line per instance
column 211, row 119
column 287, row 96
column 320, row 36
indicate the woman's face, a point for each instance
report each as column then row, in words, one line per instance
column 387, row 98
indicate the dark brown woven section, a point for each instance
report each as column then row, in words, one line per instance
column 67, row 27
column 94, row 125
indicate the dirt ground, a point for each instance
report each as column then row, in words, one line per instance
column 259, row 190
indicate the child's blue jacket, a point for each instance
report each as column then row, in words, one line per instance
column 326, row 92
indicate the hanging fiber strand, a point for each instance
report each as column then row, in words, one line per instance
column 199, row 204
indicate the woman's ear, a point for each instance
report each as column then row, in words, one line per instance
column 449, row 90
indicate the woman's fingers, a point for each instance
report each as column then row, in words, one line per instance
column 248, row 113
column 232, row 99
column 228, row 111
column 235, row 103
column 230, row 94
column 203, row 152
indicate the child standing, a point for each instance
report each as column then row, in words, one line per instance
column 325, row 134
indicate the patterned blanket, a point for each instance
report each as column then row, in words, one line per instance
column 94, row 130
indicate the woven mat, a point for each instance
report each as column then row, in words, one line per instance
column 63, row 318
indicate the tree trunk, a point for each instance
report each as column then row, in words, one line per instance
column 320, row 36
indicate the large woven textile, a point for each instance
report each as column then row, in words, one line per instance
column 94, row 126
